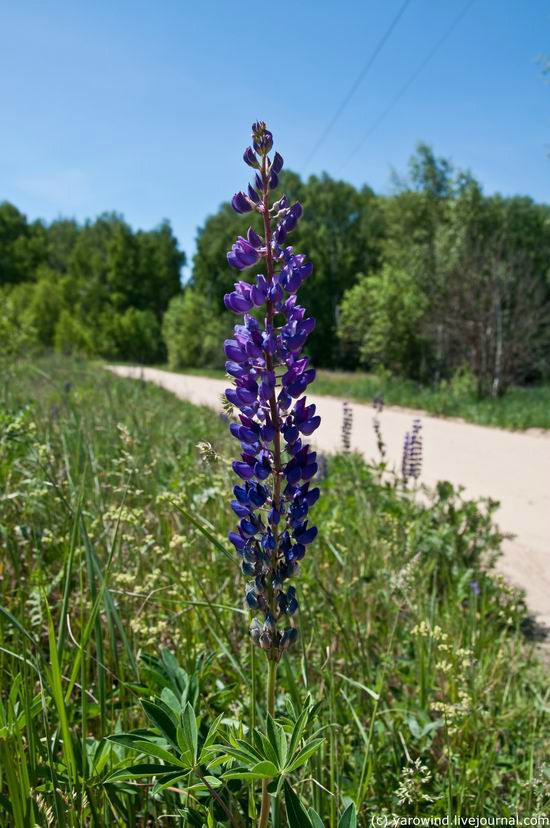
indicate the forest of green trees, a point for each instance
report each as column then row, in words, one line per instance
column 433, row 281
column 98, row 288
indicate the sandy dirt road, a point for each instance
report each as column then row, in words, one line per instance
column 510, row 467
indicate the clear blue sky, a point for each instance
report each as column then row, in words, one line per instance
column 145, row 107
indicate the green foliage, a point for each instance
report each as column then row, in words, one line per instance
column 203, row 759
column 17, row 335
column 71, row 336
column 464, row 283
column 193, row 331
column 100, row 288
column 134, row 702
column 381, row 316
column 22, row 245
column 133, row 335
column 435, row 278
column 44, row 303
column 453, row 278
column 340, row 231
column 492, row 303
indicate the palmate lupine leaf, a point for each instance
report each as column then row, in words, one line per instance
column 150, row 748
column 187, row 736
column 210, row 737
column 236, row 749
column 148, row 744
column 196, row 787
column 298, row 730
column 180, row 759
column 303, row 755
column 269, row 751
column 161, row 716
column 277, row 740
column 128, row 740
column 262, row 770
column 268, row 756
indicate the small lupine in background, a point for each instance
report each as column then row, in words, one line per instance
column 405, row 456
column 347, row 426
column 474, row 586
column 378, row 405
column 411, row 462
column 322, row 467
column 416, row 449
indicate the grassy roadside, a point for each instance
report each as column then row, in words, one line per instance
column 405, row 626
column 519, row 409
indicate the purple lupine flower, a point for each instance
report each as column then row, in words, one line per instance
column 411, row 464
column 415, row 463
column 240, row 203
column 347, row 426
column 276, row 466
column 406, row 456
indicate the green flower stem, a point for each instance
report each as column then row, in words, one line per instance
column 252, row 680
column 252, row 702
column 271, row 674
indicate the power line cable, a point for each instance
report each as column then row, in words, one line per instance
column 355, row 86
column 409, row 82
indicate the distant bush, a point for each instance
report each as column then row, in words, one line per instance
column 133, row 335
column 17, row 337
column 380, row 319
column 192, row 331
column 44, row 302
column 71, row 337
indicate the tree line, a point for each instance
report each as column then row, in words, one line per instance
column 433, row 282
column 99, row 288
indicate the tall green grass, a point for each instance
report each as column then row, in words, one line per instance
column 113, row 587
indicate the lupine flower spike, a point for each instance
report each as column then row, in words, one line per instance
column 411, row 463
column 276, row 465
column 347, row 427
column 378, row 405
